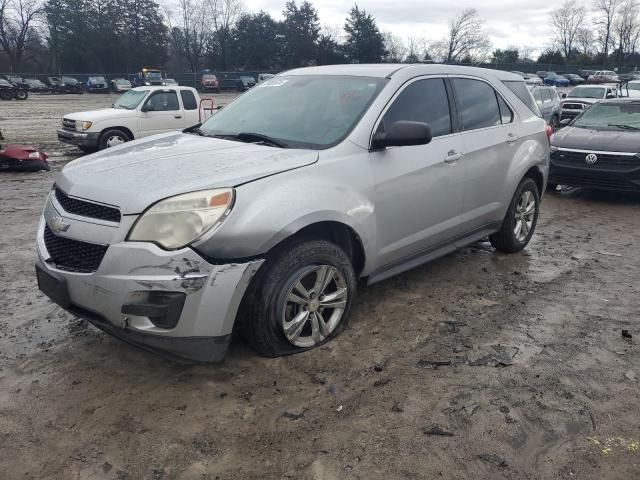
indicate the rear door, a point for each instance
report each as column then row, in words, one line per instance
column 163, row 113
column 190, row 108
column 491, row 141
column 418, row 189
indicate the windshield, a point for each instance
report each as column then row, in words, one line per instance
column 96, row 79
column 130, row 100
column 209, row 77
column 589, row 92
column 153, row 76
column 616, row 116
column 121, row 81
column 69, row 80
column 301, row 111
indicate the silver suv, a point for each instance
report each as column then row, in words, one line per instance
column 264, row 217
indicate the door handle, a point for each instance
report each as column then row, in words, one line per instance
column 177, row 116
column 453, row 156
column 511, row 139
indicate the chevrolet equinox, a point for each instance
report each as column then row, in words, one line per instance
column 264, row 217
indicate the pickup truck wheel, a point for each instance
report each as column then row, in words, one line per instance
column 21, row 95
column 6, row 94
column 112, row 137
column 521, row 219
column 299, row 299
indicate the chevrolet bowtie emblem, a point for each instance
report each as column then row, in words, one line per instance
column 58, row 225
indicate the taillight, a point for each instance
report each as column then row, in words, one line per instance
column 549, row 130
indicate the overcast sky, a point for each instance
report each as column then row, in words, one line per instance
column 508, row 22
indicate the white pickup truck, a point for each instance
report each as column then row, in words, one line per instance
column 140, row 112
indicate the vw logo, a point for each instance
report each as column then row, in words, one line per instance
column 591, row 158
column 58, row 225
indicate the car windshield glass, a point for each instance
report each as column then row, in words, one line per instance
column 130, row 100
column 246, row 79
column 97, row 79
column 208, row 77
column 310, row 111
column 588, row 92
column 153, row 76
column 611, row 116
column 69, row 80
column 121, row 81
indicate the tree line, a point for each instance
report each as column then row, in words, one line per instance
column 120, row 36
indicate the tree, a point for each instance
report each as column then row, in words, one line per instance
column 365, row 43
column 626, row 30
column 224, row 14
column 17, row 19
column 301, row 31
column 328, row 51
column 551, row 57
column 466, row 38
column 605, row 14
column 510, row 55
column 394, row 47
column 585, row 40
column 256, row 37
column 566, row 22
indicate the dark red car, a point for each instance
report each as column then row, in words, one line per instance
column 22, row 158
column 210, row 83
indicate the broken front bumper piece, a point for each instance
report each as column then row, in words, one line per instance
column 171, row 302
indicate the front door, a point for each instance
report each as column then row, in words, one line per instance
column 161, row 113
column 418, row 189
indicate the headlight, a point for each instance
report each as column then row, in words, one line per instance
column 178, row 221
column 81, row 125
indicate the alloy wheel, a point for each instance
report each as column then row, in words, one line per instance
column 314, row 305
column 524, row 215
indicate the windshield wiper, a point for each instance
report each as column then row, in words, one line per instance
column 623, row 126
column 261, row 138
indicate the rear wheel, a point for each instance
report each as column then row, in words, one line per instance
column 299, row 299
column 112, row 138
column 521, row 219
column 21, row 95
column 6, row 94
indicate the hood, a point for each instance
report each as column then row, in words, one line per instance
column 586, row 101
column 139, row 173
column 597, row 140
column 98, row 115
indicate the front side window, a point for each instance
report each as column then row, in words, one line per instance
column 477, row 104
column 422, row 101
column 163, row 102
column 546, row 96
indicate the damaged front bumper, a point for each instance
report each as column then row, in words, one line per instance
column 173, row 302
column 88, row 140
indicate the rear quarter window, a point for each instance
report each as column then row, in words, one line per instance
column 521, row 91
column 188, row 100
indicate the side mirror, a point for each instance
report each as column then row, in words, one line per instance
column 147, row 108
column 403, row 133
column 564, row 95
column 565, row 121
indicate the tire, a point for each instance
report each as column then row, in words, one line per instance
column 21, row 95
column 6, row 94
column 267, row 307
column 109, row 138
column 506, row 239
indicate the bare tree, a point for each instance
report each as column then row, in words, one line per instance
column 17, row 24
column 394, row 46
column 626, row 30
column 224, row 14
column 466, row 38
column 566, row 22
column 605, row 14
column 585, row 40
column 190, row 28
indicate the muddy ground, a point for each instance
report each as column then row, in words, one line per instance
column 541, row 383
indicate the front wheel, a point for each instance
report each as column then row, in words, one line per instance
column 521, row 219
column 299, row 299
column 112, row 138
column 6, row 94
column 21, row 95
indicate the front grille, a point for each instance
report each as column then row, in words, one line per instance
column 609, row 161
column 69, row 124
column 573, row 106
column 73, row 255
column 87, row 209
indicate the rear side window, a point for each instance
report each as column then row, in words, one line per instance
column 521, row 91
column 422, row 101
column 506, row 115
column 477, row 104
column 188, row 100
column 546, row 95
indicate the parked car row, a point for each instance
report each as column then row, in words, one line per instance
column 582, row 77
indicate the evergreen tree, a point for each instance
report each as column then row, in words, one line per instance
column 365, row 43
